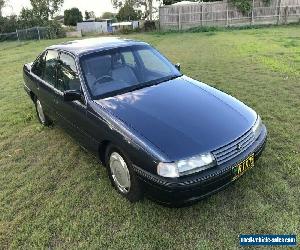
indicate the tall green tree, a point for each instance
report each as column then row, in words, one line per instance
column 89, row 14
column 72, row 17
column 147, row 5
column 27, row 19
column 108, row 15
column 44, row 9
column 8, row 24
column 2, row 3
column 128, row 13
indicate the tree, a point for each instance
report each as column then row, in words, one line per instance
column 8, row 24
column 44, row 9
column 128, row 13
column 147, row 5
column 170, row 2
column 108, row 15
column 2, row 3
column 72, row 16
column 27, row 19
column 89, row 14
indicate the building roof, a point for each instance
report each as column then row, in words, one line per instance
column 79, row 47
column 122, row 24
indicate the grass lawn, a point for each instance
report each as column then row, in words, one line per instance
column 55, row 195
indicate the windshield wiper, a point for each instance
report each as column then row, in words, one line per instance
column 138, row 86
column 153, row 82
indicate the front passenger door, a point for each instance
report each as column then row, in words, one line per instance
column 73, row 114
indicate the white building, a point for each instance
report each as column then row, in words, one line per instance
column 125, row 25
column 97, row 27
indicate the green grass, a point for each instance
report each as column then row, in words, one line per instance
column 55, row 195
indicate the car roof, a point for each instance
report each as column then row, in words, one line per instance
column 79, row 47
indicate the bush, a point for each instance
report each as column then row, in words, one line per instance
column 125, row 31
column 8, row 24
column 243, row 5
column 149, row 26
column 137, row 30
column 55, row 30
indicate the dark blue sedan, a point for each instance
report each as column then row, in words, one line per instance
column 157, row 131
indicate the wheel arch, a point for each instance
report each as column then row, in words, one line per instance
column 102, row 150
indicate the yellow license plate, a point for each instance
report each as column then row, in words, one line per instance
column 243, row 166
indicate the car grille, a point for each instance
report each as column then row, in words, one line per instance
column 234, row 148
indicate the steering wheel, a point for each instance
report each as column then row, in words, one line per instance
column 101, row 78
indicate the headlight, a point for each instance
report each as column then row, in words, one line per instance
column 187, row 166
column 257, row 127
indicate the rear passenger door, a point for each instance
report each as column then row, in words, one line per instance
column 45, row 74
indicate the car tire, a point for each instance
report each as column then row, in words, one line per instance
column 121, row 174
column 42, row 116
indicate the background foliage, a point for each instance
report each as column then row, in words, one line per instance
column 128, row 13
column 38, row 15
column 72, row 16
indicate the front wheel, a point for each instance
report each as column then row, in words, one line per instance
column 122, row 176
column 44, row 120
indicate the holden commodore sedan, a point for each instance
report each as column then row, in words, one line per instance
column 158, row 132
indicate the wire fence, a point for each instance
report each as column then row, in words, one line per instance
column 36, row 33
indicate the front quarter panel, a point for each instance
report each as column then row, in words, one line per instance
column 103, row 127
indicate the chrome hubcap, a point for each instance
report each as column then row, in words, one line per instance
column 120, row 172
column 40, row 111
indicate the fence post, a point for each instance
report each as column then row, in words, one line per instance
column 179, row 18
column 159, row 16
column 17, row 34
column 38, row 30
column 252, row 13
column 278, row 11
column 286, row 14
column 201, row 20
column 227, row 21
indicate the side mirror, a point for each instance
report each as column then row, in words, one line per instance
column 72, row 95
column 177, row 66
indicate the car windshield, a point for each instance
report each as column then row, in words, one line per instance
column 120, row 70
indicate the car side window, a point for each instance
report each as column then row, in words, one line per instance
column 67, row 73
column 129, row 58
column 39, row 66
column 51, row 67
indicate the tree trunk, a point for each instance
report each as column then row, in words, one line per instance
column 2, row 3
column 146, row 9
column 150, row 9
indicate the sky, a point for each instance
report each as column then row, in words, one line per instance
column 98, row 6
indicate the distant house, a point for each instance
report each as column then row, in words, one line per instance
column 125, row 25
column 103, row 26
column 108, row 24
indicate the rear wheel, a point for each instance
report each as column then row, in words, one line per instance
column 122, row 175
column 43, row 118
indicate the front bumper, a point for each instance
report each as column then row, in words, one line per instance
column 188, row 189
